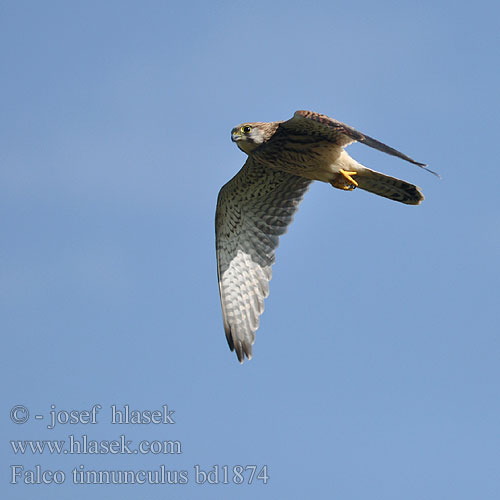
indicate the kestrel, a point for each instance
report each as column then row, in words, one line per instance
column 256, row 206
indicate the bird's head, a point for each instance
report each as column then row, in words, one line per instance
column 249, row 136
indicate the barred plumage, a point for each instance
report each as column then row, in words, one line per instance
column 256, row 206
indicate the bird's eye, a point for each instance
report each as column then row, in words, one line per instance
column 246, row 129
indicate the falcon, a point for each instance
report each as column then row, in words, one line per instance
column 256, row 206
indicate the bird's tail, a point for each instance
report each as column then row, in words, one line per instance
column 388, row 187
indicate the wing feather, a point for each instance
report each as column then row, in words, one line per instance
column 316, row 124
column 253, row 209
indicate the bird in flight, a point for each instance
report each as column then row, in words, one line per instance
column 256, row 206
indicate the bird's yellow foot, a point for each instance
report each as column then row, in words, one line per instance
column 344, row 181
column 347, row 175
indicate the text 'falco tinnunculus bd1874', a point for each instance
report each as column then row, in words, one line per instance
column 256, row 206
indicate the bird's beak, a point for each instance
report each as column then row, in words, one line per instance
column 235, row 136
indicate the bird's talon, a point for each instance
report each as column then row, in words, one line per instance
column 348, row 175
column 343, row 180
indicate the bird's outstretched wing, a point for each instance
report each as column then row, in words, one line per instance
column 316, row 124
column 253, row 209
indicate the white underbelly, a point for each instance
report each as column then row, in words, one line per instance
column 329, row 168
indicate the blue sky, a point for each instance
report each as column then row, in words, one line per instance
column 376, row 366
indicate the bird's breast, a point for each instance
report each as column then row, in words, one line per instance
column 301, row 155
